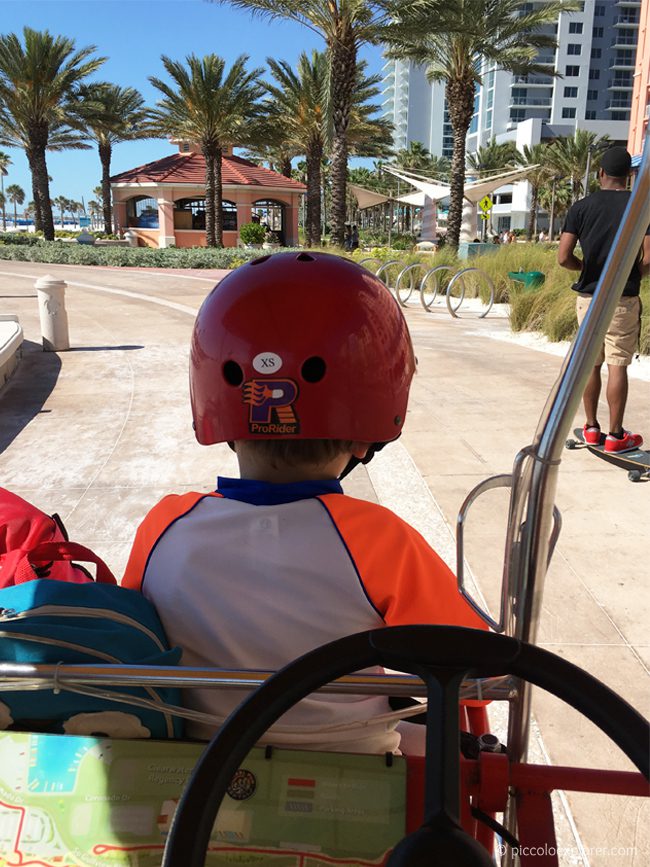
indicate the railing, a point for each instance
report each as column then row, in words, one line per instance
column 530, row 532
column 45, row 677
column 523, row 100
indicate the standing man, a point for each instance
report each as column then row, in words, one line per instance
column 594, row 222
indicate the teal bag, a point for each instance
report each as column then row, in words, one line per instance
column 49, row 622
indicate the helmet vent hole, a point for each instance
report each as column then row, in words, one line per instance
column 313, row 370
column 305, row 257
column 232, row 373
column 260, row 260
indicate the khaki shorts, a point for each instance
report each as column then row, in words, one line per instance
column 622, row 338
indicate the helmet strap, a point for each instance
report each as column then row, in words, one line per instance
column 372, row 451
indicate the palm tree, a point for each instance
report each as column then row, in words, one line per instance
column 94, row 209
column 415, row 157
column 5, row 160
column 62, row 204
column 111, row 114
column 535, row 158
column 61, row 137
column 345, row 25
column 37, row 81
column 16, row 195
column 214, row 111
column 555, row 197
column 450, row 37
column 571, row 156
column 298, row 104
column 493, row 158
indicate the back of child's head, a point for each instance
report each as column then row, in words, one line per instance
column 305, row 353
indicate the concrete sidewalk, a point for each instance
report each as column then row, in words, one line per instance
column 99, row 433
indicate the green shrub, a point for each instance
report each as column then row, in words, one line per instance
column 252, row 233
column 129, row 257
column 19, row 238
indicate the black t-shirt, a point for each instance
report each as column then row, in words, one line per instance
column 595, row 220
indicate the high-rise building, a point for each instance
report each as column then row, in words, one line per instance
column 588, row 86
column 416, row 108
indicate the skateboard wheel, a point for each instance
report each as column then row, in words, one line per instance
column 570, row 444
column 634, row 475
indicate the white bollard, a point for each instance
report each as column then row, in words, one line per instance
column 51, row 308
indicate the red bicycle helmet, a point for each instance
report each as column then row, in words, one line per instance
column 300, row 346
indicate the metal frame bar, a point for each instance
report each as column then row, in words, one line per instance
column 530, row 532
column 14, row 676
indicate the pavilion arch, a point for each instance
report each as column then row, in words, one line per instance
column 273, row 213
column 189, row 213
column 142, row 213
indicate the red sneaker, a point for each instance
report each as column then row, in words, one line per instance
column 627, row 443
column 593, row 436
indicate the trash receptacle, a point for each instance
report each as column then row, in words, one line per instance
column 528, row 279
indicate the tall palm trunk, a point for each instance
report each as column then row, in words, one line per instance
column 286, row 167
column 210, row 238
column 105, row 158
column 460, row 100
column 213, row 196
column 343, row 59
column 218, row 198
column 38, row 215
column 313, row 220
column 43, row 185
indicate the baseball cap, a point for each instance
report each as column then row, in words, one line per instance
column 616, row 162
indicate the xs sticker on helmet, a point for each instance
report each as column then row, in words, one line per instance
column 271, row 403
column 267, row 362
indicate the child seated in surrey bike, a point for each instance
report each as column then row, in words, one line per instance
column 302, row 363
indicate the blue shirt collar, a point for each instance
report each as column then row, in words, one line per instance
column 272, row 494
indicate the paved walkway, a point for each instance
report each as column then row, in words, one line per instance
column 101, row 432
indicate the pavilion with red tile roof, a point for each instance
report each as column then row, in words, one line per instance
column 163, row 202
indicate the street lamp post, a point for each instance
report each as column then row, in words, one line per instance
column 3, row 172
column 556, row 178
column 585, row 182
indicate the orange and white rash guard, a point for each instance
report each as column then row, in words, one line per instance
column 256, row 574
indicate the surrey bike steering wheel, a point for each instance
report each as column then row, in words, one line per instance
column 442, row 656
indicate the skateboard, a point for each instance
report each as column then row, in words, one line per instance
column 636, row 462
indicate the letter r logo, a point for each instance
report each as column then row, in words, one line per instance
column 270, row 397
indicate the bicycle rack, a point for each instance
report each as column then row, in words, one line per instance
column 374, row 259
column 383, row 268
column 453, row 309
column 398, row 283
column 427, row 304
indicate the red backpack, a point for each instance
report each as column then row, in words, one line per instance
column 35, row 545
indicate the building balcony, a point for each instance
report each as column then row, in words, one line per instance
column 527, row 100
column 626, row 21
column 533, row 80
column 623, row 64
column 624, row 39
column 620, row 84
column 617, row 104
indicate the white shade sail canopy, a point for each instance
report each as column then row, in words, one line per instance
column 367, row 198
column 434, row 189
column 475, row 190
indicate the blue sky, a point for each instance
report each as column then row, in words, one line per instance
column 133, row 34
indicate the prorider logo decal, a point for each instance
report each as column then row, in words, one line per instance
column 271, row 403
